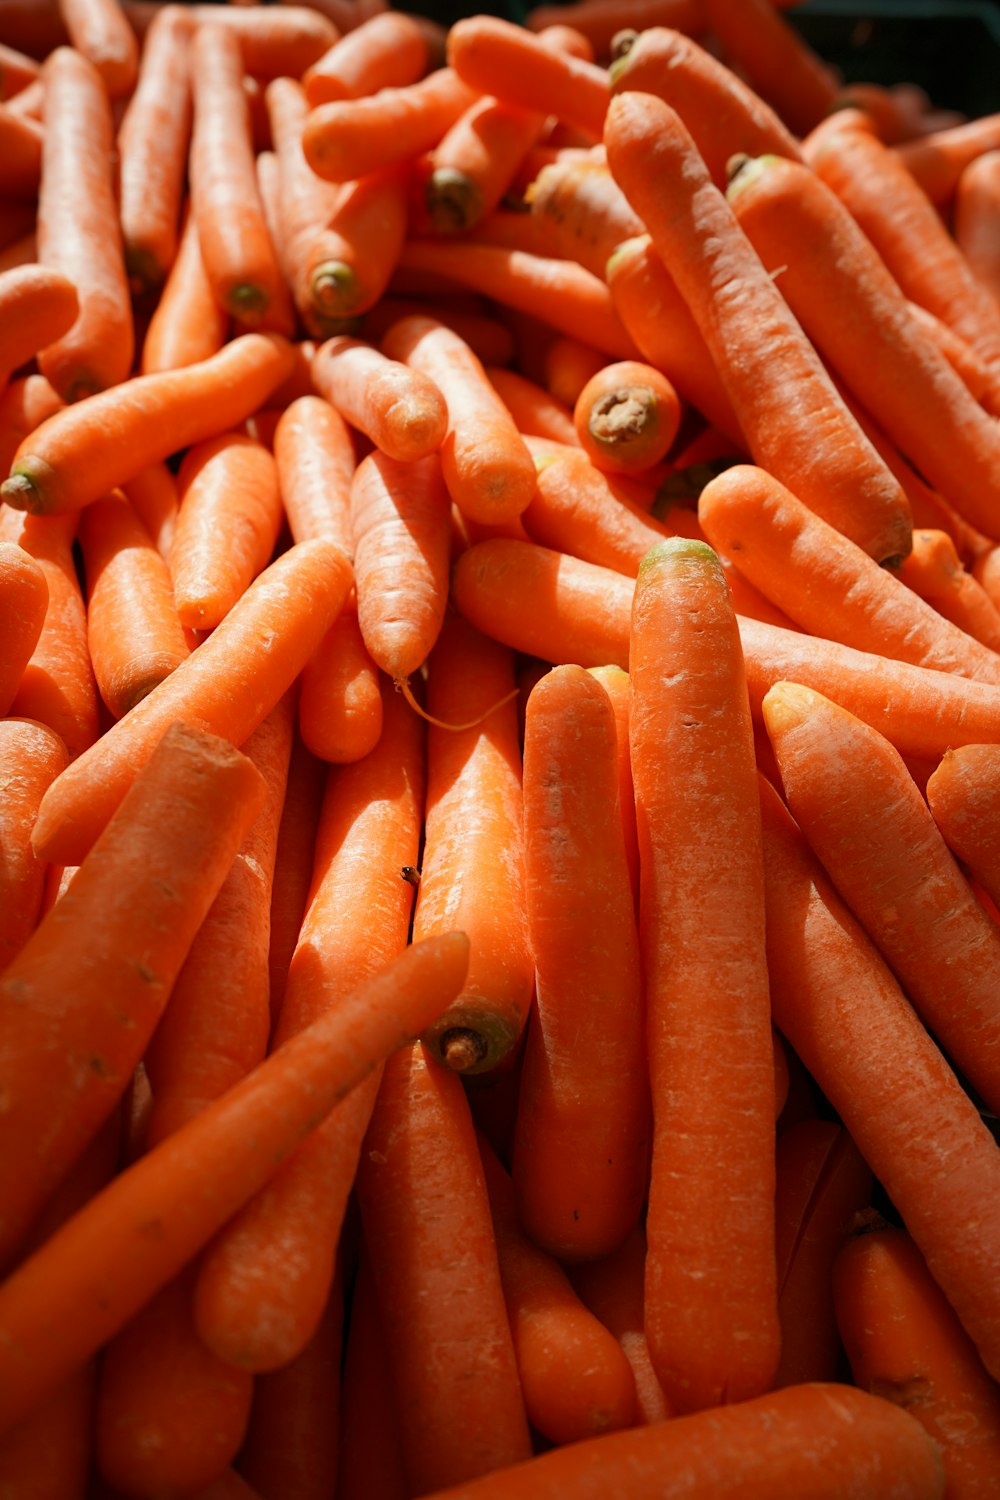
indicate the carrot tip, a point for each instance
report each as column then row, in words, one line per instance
column 462, row 1049
column 247, row 301
column 334, row 287
column 21, row 493
column 677, row 548
column 453, row 200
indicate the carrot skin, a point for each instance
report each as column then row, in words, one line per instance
column 24, row 596
column 31, row 756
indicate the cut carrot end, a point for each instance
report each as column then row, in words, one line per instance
column 334, row 287
column 22, row 494
column 247, row 301
column 675, row 548
column 622, row 416
column 462, row 1049
column 787, row 704
column 402, row 685
column 453, row 200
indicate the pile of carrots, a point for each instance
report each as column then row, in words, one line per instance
column 500, row 760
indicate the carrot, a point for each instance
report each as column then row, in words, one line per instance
column 29, row 102
column 711, row 1317
column 31, row 756
column 474, row 809
column 534, row 410
column 756, row 343
column 129, row 954
column 601, row 20
column 934, row 571
column 350, row 266
column 566, row 365
column 796, row 223
column 134, row 635
column 229, row 684
column 83, row 452
column 724, row 114
column 350, row 138
column 559, row 293
column 17, row 71
column 370, row 1463
column 925, row 1143
column 580, row 1140
column 316, row 463
column 340, row 705
column 627, row 417
column 616, row 684
column 400, row 523
column 937, row 159
column 152, row 494
column 187, row 324
column 278, row 43
column 100, row 32
column 37, row 306
column 455, row 1381
column 904, row 1343
column 574, row 1375
column 486, row 335
column 388, row 50
column 226, row 528
column 475, row 161
column 957, row 351
column 827, row 584
column 398, row 407
column 972, row 219
column 84, row 1284
column 961, row 797
column 21, row 139
column 258, row 1304
column 236, row 247
column 775, row 60
column 494, row 56
column 293, row 863
column 24, row 597
column 822, row 1183
column 57, row 684
column 153, row 141
column 580, row 211
column 488, row 471
column 78, row 229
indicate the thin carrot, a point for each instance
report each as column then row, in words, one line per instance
column 31, row 757
column 836, row 1001
column 187, row 324
column 957, row 351
column 350, row 138
column 257, row 1302
column 580, row 211
column 535, row 411
column 474, row 809
column 84, row 1284
column 29, row 102
column 973, row 219
column 17, row 71
column 388, row 50
column 627, row 417
column 228, row 685
column 397, row 406
column 153, row 142
column 24, row 597
column 340, row 705
column 152, row 493
column 723, row 113
column 711, row 1317
column 775, row 59
column 293, row 864
column 937, row 159
column 904, row 1343
column 755, row 341
column 79, row 232
column 226, row 528
column 580, row 1141
column 274, row 43
column 934, row 571
column 37, row 306
column 316, row 463
column 93, row 446
column 488, row 470
column 461, row 1412
column 134, row 634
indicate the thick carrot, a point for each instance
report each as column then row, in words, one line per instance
column 711, row 1315
column 91, row 447
column 755, row 341
column 79, row 232
column 934, row 571
column 825, row 582
column 494, row 56
column 228, row 685
column 973, row 219
column 388, row 50
column 580, row 1147
column 24, row 597
column 845, row 1015
column 775, row 59
column 340, row 704
column 398, row 407
column 258, row 1302
column 84, row 1284
column 961, row 794
column 474, row 810
column 37, row 306
column 904, row 1342
column 31, row 756
column 487, row 469
column 937, row 158
column 153, row 141
column 580, row 211
column 461, row 1412
column 187, row 324
column 535, row 412
column 274, row 43
column 100, row 32
column 316, row 462
column 226, row 528
column 627, row 417
column 474, row 163
column 723, row 113
column 350, row 138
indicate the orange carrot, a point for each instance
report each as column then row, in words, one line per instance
column 580, row 1141
column 579, row 211
column 340, row 704
column 228, row 685
column 21, row 139
column 973, row 219
column 90, row 448
column 567, row 364
column 627, row 417
column 79, row 232
column 24, row 597
column 293, row 864
column 475, row 161
column 736, row 305
column 601, row 20
column 711, row 1316
column 934, row 571
column 962, row 798
column 31, row 757
column 351, row 138
column 535, row 411
column 37, row 306
column 937, row 159
column 187, row 323
column 494, row 56
column 89, row 1278
column 488, row 338
column 152, row 493
column 774, row 58
column 278, row 43
column 226, row 528
column 388, row 50
column 398, row 407
column 616, row 684
column 99, row 30
column 316, row 463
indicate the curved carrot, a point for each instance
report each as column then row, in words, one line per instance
column 187, row 324
column 22, row 140
column 351, row 138
column 235, row 244
column 937, row 158
column 79, row 232
column 31, row 757
column 711, row 1316
column 494, row 56
column 934, row 571
column 95, row 1272
column 340, row 704
column 92, row 447
column 153, row 141
column 961, row 794
column 627, row 417
column 100, row 32
column 387, row 50
column 134, row 634
column 37, row 306
column 24, row 597
column 226, row 528
column 579, row 1156
column 398, row 407
column 228, row 685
